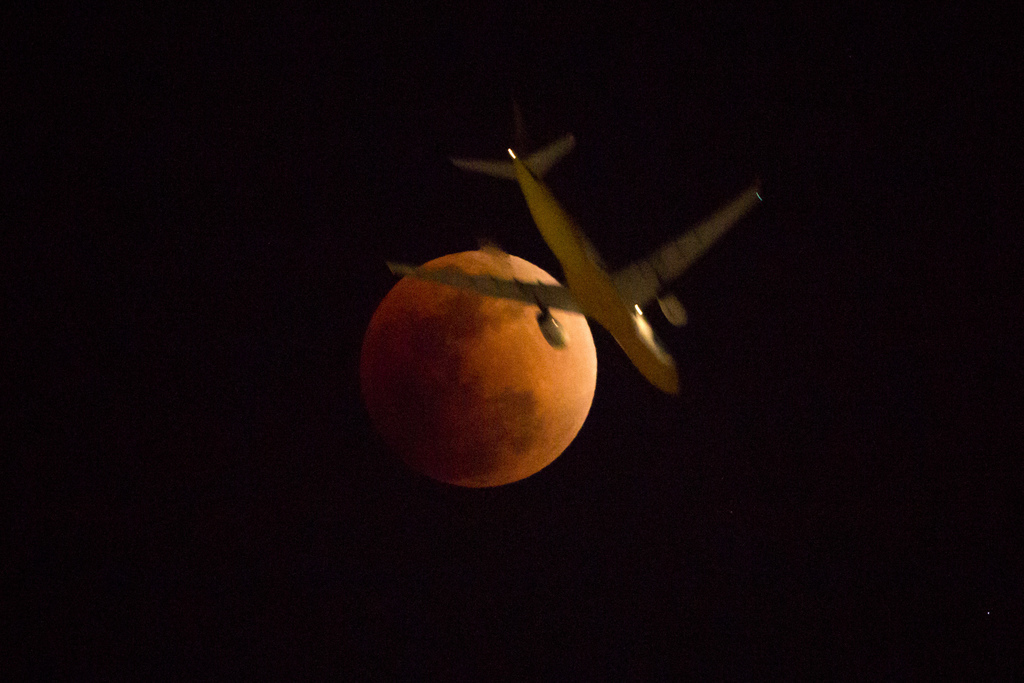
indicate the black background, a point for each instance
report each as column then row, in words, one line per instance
column 201, row 209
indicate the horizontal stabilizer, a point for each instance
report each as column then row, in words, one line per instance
column 539, row 163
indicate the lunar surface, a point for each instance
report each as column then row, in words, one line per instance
column 464, row 387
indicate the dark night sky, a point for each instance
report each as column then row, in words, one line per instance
column 203, row 205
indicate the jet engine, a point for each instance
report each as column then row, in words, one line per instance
column 553, row 332
column 673, row 309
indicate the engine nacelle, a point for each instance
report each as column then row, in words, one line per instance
column 673, row 309
column 552, row 330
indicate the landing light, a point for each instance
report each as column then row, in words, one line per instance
column 511, row 153
column 638, row 311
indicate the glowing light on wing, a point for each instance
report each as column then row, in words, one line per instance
column 650, row 339
column 511, row 153
column 638, row 311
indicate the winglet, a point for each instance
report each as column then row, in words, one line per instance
column 400, row 269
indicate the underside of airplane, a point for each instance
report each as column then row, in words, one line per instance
column 615, row 300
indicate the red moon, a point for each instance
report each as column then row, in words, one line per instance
column 464, row 387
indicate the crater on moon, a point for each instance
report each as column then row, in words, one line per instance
column 464, row 387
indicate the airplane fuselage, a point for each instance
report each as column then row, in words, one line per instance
column 592, row 286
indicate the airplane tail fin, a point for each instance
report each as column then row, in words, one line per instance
column 539, row 163
column 520, row 139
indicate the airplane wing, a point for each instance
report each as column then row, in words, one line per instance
column 641, row 282
column 552, row 296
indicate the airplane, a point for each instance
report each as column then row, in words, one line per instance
column 614, row 300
